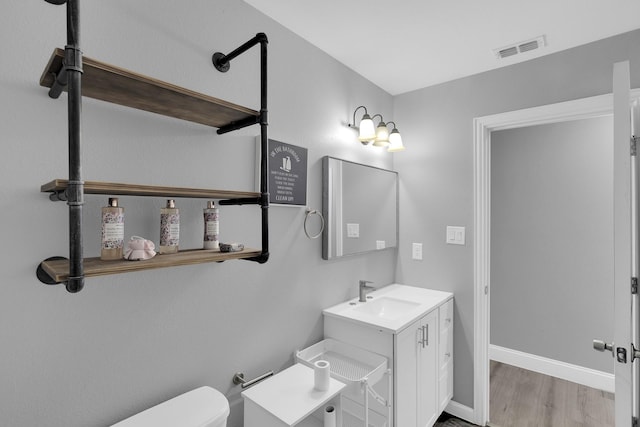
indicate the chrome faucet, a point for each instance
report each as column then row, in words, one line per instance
column 364, row 289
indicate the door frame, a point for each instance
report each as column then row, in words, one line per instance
column 584, row 108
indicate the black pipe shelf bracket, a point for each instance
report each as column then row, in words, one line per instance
column 222, row 63
column 65, row 73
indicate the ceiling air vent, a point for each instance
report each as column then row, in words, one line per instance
column 524, row 46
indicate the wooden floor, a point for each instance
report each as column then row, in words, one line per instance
column 521, row 398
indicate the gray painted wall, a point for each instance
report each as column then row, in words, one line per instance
column 130, row 341
column 127, row 342
column 436, row 179
column 552, row 240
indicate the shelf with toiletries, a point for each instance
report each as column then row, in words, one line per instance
column 70, row 71
column 58, row 269
column 58, row 188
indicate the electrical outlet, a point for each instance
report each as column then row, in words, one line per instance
column 416, row 251
column 381, row 244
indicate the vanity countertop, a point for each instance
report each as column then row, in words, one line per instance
column 390, row 308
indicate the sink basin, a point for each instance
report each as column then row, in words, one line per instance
column 391, row 308
column 386, row 307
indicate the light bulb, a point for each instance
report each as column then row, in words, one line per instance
column 367, row 130
column 395, row 141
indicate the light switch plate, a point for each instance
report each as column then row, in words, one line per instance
column 416, row 251
column 455, row 235
column 381, row 244
column 353, row 230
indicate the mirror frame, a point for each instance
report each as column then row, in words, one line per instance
column 330, row 223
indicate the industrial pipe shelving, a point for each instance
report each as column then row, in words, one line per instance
column 68, row 70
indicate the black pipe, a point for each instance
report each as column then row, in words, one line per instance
column 222, row 63
column 241, row 201
column 264, row 158
column 75, row 190
column 59, row 84
column 238, row 124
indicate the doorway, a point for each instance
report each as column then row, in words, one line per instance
column 552, row 269
column 483, row 127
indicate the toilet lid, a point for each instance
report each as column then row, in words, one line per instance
column 202, row 407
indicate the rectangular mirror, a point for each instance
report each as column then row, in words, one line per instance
column 360, row 207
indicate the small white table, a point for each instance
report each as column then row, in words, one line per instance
column 289, row 399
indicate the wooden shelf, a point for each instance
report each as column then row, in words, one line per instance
column 119, row 189
column 59, row 269
column 120, row 86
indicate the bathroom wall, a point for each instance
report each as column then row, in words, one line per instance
column 127, row 342
column 436, row 181
column 552, row 240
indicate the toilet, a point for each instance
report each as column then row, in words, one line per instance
column 202, row 407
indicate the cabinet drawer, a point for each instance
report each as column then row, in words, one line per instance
column 446, row 315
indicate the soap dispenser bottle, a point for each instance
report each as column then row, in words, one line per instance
column 112, row 231
column 169, row 228
column 211, row 226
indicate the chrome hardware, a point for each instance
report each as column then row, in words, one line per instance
column 424, row 330
column 364, row 289
column 602, row 346
column 635, row 353
column 621, row 354
column 238, row 379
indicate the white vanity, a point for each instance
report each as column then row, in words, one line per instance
column 413, row 328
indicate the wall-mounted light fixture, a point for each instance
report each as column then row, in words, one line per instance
column 377, row 136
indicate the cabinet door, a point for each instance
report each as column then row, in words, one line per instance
column 406, row 372
column 428, row 369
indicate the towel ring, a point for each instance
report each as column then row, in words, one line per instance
column 309, row 213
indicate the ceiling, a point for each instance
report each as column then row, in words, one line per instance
column 403, row 45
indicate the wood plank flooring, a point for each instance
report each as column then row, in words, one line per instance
column 521, row 398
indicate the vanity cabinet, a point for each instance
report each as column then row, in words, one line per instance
column 420, row 352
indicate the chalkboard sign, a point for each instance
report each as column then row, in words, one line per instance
column 287, row 174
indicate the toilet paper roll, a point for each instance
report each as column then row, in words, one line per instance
column 329, row 416
column 321, row 371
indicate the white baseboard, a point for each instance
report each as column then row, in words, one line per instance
column 461, row 411
column 566, row 371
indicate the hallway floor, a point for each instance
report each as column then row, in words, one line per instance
column 521, row 398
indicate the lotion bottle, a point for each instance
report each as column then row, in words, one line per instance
column 112, row 231
column 169, row 228
column 211, row 226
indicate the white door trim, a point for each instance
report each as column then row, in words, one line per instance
column 482, row 127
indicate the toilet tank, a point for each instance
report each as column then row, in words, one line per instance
column 202, row 407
